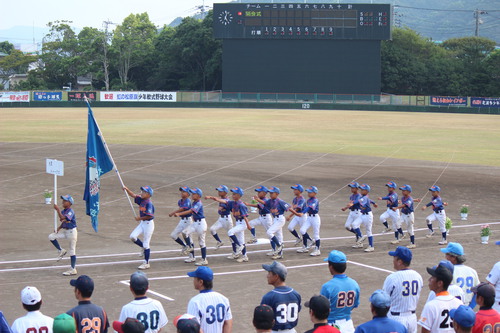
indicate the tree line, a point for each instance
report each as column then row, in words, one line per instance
column 138, row 56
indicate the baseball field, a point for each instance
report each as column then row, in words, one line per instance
column 167, row 148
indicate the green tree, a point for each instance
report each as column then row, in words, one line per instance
column 15, row 63
column 93, row 49
column 6, row 47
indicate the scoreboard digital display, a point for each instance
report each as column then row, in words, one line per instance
column 302, row 21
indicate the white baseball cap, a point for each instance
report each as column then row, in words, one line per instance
column 30, row 296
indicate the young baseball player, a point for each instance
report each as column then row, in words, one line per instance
column 147, row 224
column 407, row 217
column 299, row 205
column 380, row 304
column 366, row 217
column 34, row 320
column 312, row 220
column 225, row 221
column 264, row 218
column 199, row 226
column 66, row 230
column 439, row 214
column 184, row 204
column 354, row 211
column 392, row 211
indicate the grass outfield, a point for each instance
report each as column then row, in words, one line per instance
column 459, row 138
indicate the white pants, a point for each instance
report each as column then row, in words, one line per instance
column 367, row 221
column 440, row 217
column 353, row 215
column 313, row 221
column 239, row 231
column 300, row 220
column 276, row 229
column 263, row 220
column 71, row 234
column 409, row 321
column 345, row 326
column 408, row 220
column 200, row 229
column 225, row 222
column 393, row 215
column 182, row 226
column 146, row 228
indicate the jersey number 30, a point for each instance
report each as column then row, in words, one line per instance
column 152, row 323
column 214, row 313
column 287, row 313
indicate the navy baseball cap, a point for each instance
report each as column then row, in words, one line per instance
column 405, row 188
column 402, row 253
column 320, row 305
column 298, row 187
column 130, row 325
column 263, row 317
column 196, row 190
column 83, row 283
column 188, row 325
column 484, row 289
column 353, row 184
column 463, row 316
column 365, row 187
column 68, row 197
column 380, row 299
column 337, row 257
column 391, row 185
column 274, row 189
column 435, row 188
column 203, row 272
column 139, row 280
column 238, row 190
column 277, row 268
column 441, row 272
column 184, row 189
column 147, row 189
column 454, row 249
column 312, row 189
column 222, row 188
column 261, row 188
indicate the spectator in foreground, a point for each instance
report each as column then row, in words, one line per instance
column 319, row 309
column 380, row 303
column 4, row 325
column 486, row 317
column 263, row 319
column 187, row 323
column 463, row 319
column 64, row 323
column 130, row 325
column 34, row 320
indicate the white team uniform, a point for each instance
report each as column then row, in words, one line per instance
column 367, row 221
column 211, row 309
column 466, row 278
column 393, row 215
column 276, row 229
column 71, row 234
column 225, row 222
column 353, row 215
column 263, row 220
column 148, row 311
column 33, row 321
column 453, row 289
column 300, row 220
column 404, row 287
column 314, row 221
column 182, row 226
column 146, row 228
column 494, row 279
column 435, row 316
column 408, row 221
column 440, row 217
column 239, row 231
column 199, row 228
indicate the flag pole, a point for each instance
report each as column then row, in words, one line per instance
column 113, row 161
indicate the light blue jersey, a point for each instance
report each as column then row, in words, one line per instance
column 343, row 293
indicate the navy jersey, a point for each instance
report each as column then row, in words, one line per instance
column 408, row 205
column 238, row 208
column 436, row 203
column 381, row 324
column 277, row 206
column 312, row 206
column 343, row 293
column 392, row 199
column 89, row 318
column 263, row 208
column 299, row 204
column 365, row 204
column 185, row 204
column 354, row 199
column 70, row 222
column 285, row 302
column 146, row 207
column 197, row 209
column 223, row 209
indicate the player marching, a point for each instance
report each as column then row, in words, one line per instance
column 354, row 210
column 264, row 218
column 392, row 211
column 439, row 214
column 299, row 205
column 225, row 220
column 66, row 230
column 312, row 220
column 184, row 204
column 366, row 217
column 407, row 217
column 198, row 227
column 146, row 226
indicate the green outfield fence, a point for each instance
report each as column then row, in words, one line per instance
column 219, row 99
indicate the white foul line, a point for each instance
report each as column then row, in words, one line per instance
column 125, row 282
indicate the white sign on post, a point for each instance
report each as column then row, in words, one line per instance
column 55, row 167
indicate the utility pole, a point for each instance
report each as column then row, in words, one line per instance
column 477, row 16
column 105, row 61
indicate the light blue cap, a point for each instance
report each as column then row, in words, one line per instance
column 454, row 248
column 380, row 299
column 337, row 257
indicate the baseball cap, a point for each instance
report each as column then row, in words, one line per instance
column 320, row 306
column 263, row 316
column 312, row 189
column 261, row 188
column 139, row 280
column 30, row 295
column 447, row 264
column 130, row 325
column 402, row 253
column 238, row 190
column 391, row 185
column 188, row 325
column 203, row 272
column 484, row 289
column 84, row 283
column 365, row 187
column 337, row 257
column 454, row 248
column 405, row 188
column 147, row 189
column 441, row 272
column 184, row 189
column 380, row 299
column 435, row 188
column 64, row 323
column 196, row 190
column 274, row 189
column 463, row 316
column 222, row 188
column 277, row 268
column 353, row 184
column 298, row 187
column 68, row 197
column 183, row 316
column 497, row 242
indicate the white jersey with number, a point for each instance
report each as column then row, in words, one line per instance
column 404, row 287
column 453, row 289
column 435, row 316
column 211, row 309
column 465, row 277
column 148, row 311
column 33, row 322
column 494, row 279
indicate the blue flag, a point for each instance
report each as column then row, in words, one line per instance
column 98, row 163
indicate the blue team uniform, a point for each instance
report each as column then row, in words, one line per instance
column 185, row 204
column 365, row 204
column 437, row 204
column 408, row 205
column 392, row 200
column 146, row 207
column 70, row 222
column 277, row 206
column 223, row 209
column 285, row 302
column 238, row 208
column 381, row 325
column 312, row 206
column 263, row 208
column 299, row 204
column 197, row 209
column 4, row 326
column 354, row 199
column 343, row 293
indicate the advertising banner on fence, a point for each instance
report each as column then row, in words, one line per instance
column 138, row 96
column 75, row 96
column 448, row 101
column 47, row 96
column 14, row 96
column 487, row 102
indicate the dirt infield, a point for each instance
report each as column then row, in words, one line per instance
column 28, row 258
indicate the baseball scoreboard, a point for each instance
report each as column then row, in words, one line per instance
column 301, row 47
